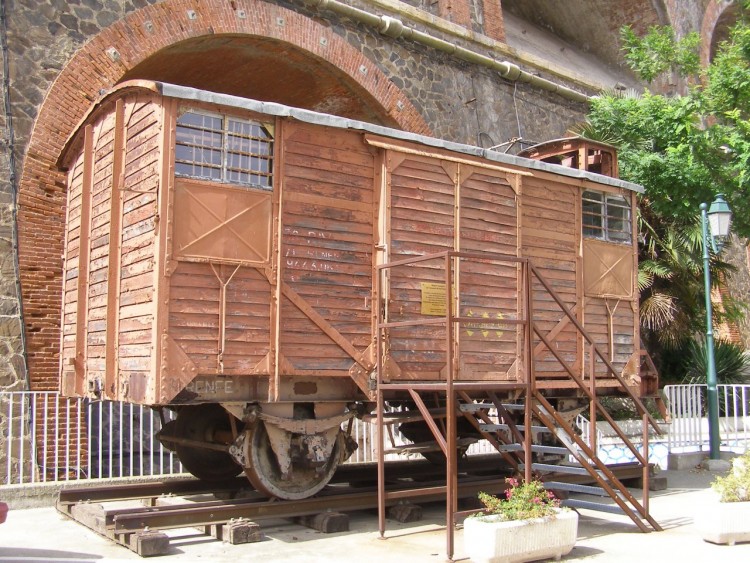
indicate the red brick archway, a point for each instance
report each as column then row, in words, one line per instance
column 720, row 16
column 100, row 64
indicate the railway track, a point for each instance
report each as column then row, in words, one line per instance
column 136, row 515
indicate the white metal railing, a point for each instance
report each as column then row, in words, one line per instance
column 689, row 427
column 584, row 424
column 47, row 438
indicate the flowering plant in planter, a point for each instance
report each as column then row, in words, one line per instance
column 523, row 501
column 527, row 525
column 728, row 521
column 735, row 487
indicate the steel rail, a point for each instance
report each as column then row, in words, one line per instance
column 354, row 473
column 185, row 515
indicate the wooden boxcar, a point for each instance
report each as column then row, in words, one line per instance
column 229, row 255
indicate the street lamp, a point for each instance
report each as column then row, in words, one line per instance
column 720, row 219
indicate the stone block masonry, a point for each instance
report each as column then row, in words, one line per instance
column 64, row 53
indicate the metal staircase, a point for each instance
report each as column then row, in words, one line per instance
column 512, row 413
column 510, row 439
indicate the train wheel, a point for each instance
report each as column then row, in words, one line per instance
column 205, row 423
column 264, row 473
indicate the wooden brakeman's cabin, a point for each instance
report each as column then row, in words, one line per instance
column 224, row 249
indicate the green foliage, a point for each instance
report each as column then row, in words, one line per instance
column 658, row 52
column 684, row 150
column 727, row 90
column 664, row 147
column 522, row 502
column 730, row 360
column 735, row 487
column 670, row 280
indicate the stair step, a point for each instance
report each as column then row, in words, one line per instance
column 425, row 447
column 400, row 417
column 475, row 407
column 552, row 468
column 496, row 427
column 534, row 448
column 514, row 406
column 575, row 488
column 590, row 505
column 540, row 449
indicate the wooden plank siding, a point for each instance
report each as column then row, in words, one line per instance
column 168, row 279
column 612, row 329
column 327, row 242
column 118, row 289
column 72, row 380
column 136, row 307
column 194, row 316
column 422, row 222
column 551, row 241
column 438, row 205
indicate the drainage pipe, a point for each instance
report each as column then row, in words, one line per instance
column 396, row 29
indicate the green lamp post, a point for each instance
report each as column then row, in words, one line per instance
column 720, row 218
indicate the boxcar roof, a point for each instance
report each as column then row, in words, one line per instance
column 308, row 116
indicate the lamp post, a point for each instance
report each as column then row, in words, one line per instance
column 720, row 218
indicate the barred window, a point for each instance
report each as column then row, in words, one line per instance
column 606, row 217
column 224, row 149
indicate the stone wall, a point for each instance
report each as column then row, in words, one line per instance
column 13, row 374
column 84, row 46
column 62, row 53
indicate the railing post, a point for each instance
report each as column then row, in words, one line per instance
column 593, row 442
column 380, row 439
column 530, row 373
column 451, row 474
column 646, row 472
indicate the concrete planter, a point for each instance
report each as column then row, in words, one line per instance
column 487, row 540
column 724, row 522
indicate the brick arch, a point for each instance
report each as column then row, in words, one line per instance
column 100, row 64
column 717, row 20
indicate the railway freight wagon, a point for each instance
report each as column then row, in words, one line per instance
column 262, row 269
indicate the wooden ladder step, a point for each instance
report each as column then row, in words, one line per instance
column 541, row 449
column 534, row 448
column 401, row 417
column 476, row 407
column 590, row 505
column 509, row 448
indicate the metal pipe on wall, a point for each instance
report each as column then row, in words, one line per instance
column 396, row 29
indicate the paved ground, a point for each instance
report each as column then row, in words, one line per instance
column 42, row 534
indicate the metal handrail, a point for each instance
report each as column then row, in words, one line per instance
column 594, row 349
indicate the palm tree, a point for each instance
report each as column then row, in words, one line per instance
column 670, row 280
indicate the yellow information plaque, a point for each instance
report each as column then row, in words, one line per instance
column 433, row 299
